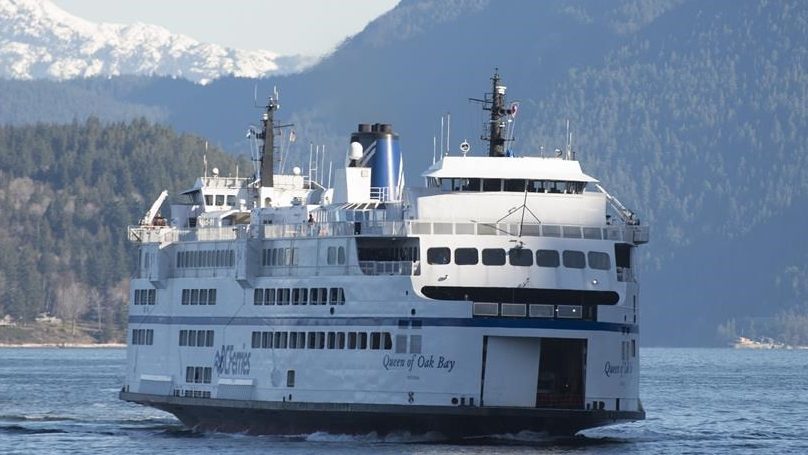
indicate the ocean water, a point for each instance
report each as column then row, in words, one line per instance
column 697, row 401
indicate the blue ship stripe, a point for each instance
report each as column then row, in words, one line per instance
column 522, row 323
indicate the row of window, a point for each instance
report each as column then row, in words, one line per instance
column 323, row 340
column 509, row 185
column 279, row 256
column 220, row 200
column 203, row 338
column 145, row 296
column 143, row 336
column 520, row 257
column 199, row 296
column 205, row 258
column 299, row 296
column 198, row 375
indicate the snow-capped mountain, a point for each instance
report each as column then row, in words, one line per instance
column 40, row 40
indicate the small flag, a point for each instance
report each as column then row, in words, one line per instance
column 292, row 136
column 513, row 109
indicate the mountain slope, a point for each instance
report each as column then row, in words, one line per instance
column 40, row 40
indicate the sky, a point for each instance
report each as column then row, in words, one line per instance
column 287, row 27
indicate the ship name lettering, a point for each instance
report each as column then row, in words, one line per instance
column 621, row 369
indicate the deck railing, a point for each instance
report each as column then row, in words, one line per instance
column 163, row 234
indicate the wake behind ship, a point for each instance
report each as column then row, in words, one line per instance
column 502, row 297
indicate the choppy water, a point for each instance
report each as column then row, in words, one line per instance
column 697, row 401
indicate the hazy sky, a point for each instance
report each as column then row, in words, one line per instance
column 308, row 27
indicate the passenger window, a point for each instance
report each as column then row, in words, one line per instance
column 492, row 185
column 341, row 255
column 598, row 260
column 438, row 255
column 471, row 185
column 574, row 259
column 515, row 185
column 332, row 255
column 219, row 199
column 520, row 257
column 547, row 258
column 493, row 256
column 231, row 201
column 466, row 256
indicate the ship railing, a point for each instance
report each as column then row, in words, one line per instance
column 163, row 234
column 407, row 268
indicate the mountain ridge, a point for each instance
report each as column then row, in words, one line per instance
column 40, row 40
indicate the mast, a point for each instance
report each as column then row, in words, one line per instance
column 267, row 134
column 495, row 103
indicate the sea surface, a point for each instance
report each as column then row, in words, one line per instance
column 697, row 401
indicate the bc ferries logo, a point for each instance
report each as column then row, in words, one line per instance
column 229, row 361
column 418, row 361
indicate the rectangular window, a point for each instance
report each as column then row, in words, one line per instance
column 415, row 344
column 598, row 260
column 203, row 296
column 312, row 340
column 574, row 259
column 231, row 200
column 266, row 340
column 340, row 340
column 337, row 297
column 387, row 341
column 320, row 340
column 194, row 296
column 189, row 374
column 208, row 199
column 220, row 199
column 520, row 257
column 466, row 256
column 375, row 340
column 341, row 255
column 332, row 340
column 256, row 339
column 258, row 297
column 192, row 338
column 492, row 185
column 363, row 340
column 290, row 378
column 211, row 296
column 351, row 340
column 283, row 296
column 440, row 255
column 183, row 338
column 269, row 296
column 547, row 258
column 493, row 256
column 401, row 344
column 331, row 258
column 301, row 340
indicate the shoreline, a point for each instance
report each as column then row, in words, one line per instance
column 64, row 345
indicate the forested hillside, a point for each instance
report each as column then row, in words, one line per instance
column 68, row 192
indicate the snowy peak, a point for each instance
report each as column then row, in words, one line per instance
column 40, row 40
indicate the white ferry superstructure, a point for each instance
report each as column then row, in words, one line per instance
column 499, row 298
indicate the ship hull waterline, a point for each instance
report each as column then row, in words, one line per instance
column 294, row 418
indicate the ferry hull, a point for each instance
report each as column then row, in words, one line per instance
column 289, row 418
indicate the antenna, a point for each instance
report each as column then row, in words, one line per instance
column 448, row 126
column 570, row 152
column 441, row 135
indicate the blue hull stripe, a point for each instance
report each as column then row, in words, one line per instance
column 325, row 322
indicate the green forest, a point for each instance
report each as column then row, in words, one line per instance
column 68, row 193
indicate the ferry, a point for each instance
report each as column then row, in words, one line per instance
column 500, row 297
